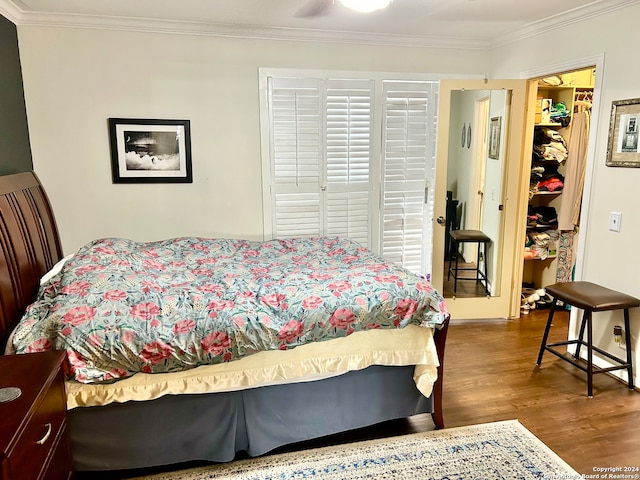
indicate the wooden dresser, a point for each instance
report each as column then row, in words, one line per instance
column 34, row 442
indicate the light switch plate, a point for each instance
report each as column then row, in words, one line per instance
column 614, row 221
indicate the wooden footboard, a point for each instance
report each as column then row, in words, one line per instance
column 440, row 337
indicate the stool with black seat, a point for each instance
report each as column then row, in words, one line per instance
column 589, row 297
column 459, row 237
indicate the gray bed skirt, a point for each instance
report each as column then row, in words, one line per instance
column 215, row 427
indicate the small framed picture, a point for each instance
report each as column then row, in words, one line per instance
column 623, row 148
column 494, row 137
column 150, row 151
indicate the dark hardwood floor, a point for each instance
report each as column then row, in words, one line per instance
column 490, row 375
column 467, row 286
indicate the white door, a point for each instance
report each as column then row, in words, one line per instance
column 506, row 174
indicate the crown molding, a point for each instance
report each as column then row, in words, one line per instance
column 24, row 18
column 248, row 31
column 21, row 17
column 9, row 11
column 592, row 10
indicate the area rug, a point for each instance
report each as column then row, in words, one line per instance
column 492, row 451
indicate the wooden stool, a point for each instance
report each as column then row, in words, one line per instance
column 590, row 298
column 469, row 236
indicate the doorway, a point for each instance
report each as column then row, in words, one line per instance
column 560, row 138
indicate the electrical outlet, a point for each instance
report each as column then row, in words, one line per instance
column 614, row 221
column 618, row 336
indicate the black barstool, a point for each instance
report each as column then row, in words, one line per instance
column 589, row 297
column 469, row 236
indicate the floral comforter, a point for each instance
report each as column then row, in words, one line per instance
column 119, row 307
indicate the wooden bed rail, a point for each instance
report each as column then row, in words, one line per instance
column 29, row 245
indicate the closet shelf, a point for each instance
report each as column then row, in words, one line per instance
column 544, row 192
column 549, row 257
column 554, row 124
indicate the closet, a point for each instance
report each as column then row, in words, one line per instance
column 558, row 156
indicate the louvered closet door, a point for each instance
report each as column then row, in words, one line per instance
column 321, row 157
column 408, row 171
column 297, row 149
column 348, row 158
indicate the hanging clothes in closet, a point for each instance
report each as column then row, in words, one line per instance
column 569, row 217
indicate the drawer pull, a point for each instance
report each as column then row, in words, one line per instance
column 46, row 435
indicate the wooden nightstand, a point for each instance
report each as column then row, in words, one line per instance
column 34, row 442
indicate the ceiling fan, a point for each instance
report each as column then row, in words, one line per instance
column 317, row 8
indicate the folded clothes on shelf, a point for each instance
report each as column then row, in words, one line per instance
column 541, row 216
column 548, row 144
column 545, row 178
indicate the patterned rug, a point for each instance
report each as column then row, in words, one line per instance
column 501, row 450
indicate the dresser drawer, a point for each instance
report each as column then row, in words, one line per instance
column 59, row 466
column 40, row 436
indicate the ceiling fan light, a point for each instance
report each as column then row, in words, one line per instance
column 365, row 6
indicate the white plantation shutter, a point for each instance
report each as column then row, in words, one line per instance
column 296, row 153
column 408, row 159
column 349, row 112
column 327, row 176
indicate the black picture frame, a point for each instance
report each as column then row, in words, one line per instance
column 150, row 150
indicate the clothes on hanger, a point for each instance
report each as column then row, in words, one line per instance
column 575, row 170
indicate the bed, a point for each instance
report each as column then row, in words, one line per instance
column 325, row 370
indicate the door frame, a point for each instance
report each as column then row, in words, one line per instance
column 568, row 66
column 512, row 197
column 585, row 223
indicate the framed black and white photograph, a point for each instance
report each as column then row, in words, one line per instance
column 150, row 151
column 623, row 149
column 494, row 137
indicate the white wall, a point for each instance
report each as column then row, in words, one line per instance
column 74, row 79
column 609, row 259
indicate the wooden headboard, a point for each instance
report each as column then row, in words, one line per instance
column 29, row 245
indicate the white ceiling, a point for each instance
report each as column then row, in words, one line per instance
column 466, row 23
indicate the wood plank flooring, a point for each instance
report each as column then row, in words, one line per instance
column 465, row 288
column 490, row 375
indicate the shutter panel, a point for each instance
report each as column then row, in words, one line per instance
column 408, row 137
column 349, row 114
column 296, row 153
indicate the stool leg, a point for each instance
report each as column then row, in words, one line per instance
column 580, row 335
column 454, row 250
column 589, row 355
column 627, row 339
column 484, row 267
column 455, row 275
column 546, row 332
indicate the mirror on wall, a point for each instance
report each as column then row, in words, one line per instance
column 475, row 182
